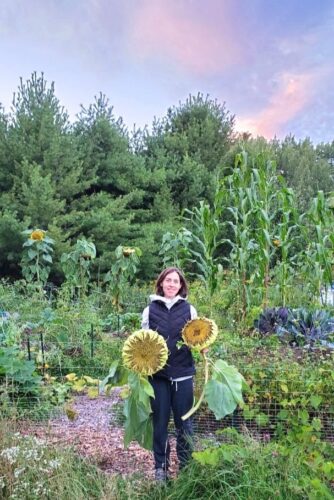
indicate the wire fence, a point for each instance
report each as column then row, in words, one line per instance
column 270, row 411
column 97, row 423
column 89, row 357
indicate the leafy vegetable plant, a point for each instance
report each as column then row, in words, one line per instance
column 299, row 327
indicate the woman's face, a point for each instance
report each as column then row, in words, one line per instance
column 171, row 285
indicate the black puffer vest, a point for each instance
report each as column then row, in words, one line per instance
column 169, row 323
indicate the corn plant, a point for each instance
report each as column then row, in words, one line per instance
column 287, row 233
column 317, row 260
column 238, row 200
column 204, row 222
column 262, row 192
column 264, row 224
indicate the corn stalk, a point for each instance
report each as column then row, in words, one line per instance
column 317, row 260
column 263, row 194
column 204, row 222
column 287, row 234
column 243, row 246
column 263, row 220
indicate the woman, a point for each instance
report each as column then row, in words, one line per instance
column 167, row 314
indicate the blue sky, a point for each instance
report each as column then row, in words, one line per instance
column 270, row 61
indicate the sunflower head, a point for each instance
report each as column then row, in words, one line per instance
column 199, row 333
column 127, row 251
column 37, row 235
column 145, row 352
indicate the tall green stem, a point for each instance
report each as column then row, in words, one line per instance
column 206, row 378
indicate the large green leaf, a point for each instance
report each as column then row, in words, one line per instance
column 214, row 456
column 138, row 424
column 224, row 391
column 145, row 434
column 47, row 257
column 116, row 377
column 147, row 387
column 209, row 456
column 137, row 409
column 32, row 253
column 137, row 406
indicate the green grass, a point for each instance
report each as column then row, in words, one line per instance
column 30, row 469
column 245, row 469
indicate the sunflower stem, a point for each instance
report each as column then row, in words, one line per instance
column 206, row 378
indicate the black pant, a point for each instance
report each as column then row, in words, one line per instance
column 178, row 397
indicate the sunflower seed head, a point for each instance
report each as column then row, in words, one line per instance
column 199, row 333
column 145, row 352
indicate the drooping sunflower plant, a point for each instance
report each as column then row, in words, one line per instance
column 121, row 273
column 144, row 353
column 76, row 266
column 223, row 392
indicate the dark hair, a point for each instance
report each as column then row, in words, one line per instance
column 183, row 292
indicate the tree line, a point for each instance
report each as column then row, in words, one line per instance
column 95, row 179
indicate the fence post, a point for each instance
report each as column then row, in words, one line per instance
column 91, row 340
column 28, row 347
column 42, row 350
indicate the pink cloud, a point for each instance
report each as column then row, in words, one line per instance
column 294, row 93
column 171, row 29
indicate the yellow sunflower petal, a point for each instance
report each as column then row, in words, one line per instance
column 37, row 234
column 199, row 333
column 145, row 352
column 128, row 251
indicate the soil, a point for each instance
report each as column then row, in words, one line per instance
column 91, row 427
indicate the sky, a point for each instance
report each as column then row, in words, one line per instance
column 270, row 61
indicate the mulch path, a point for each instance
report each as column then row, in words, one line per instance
column 92, row 430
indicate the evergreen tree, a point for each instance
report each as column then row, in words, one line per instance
column 39, row 132
column 114, row 210
column 189, row 145
column 326, row 152
column 105, row 143
column 41, row 167
column 304, row 169
column 4, row 170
